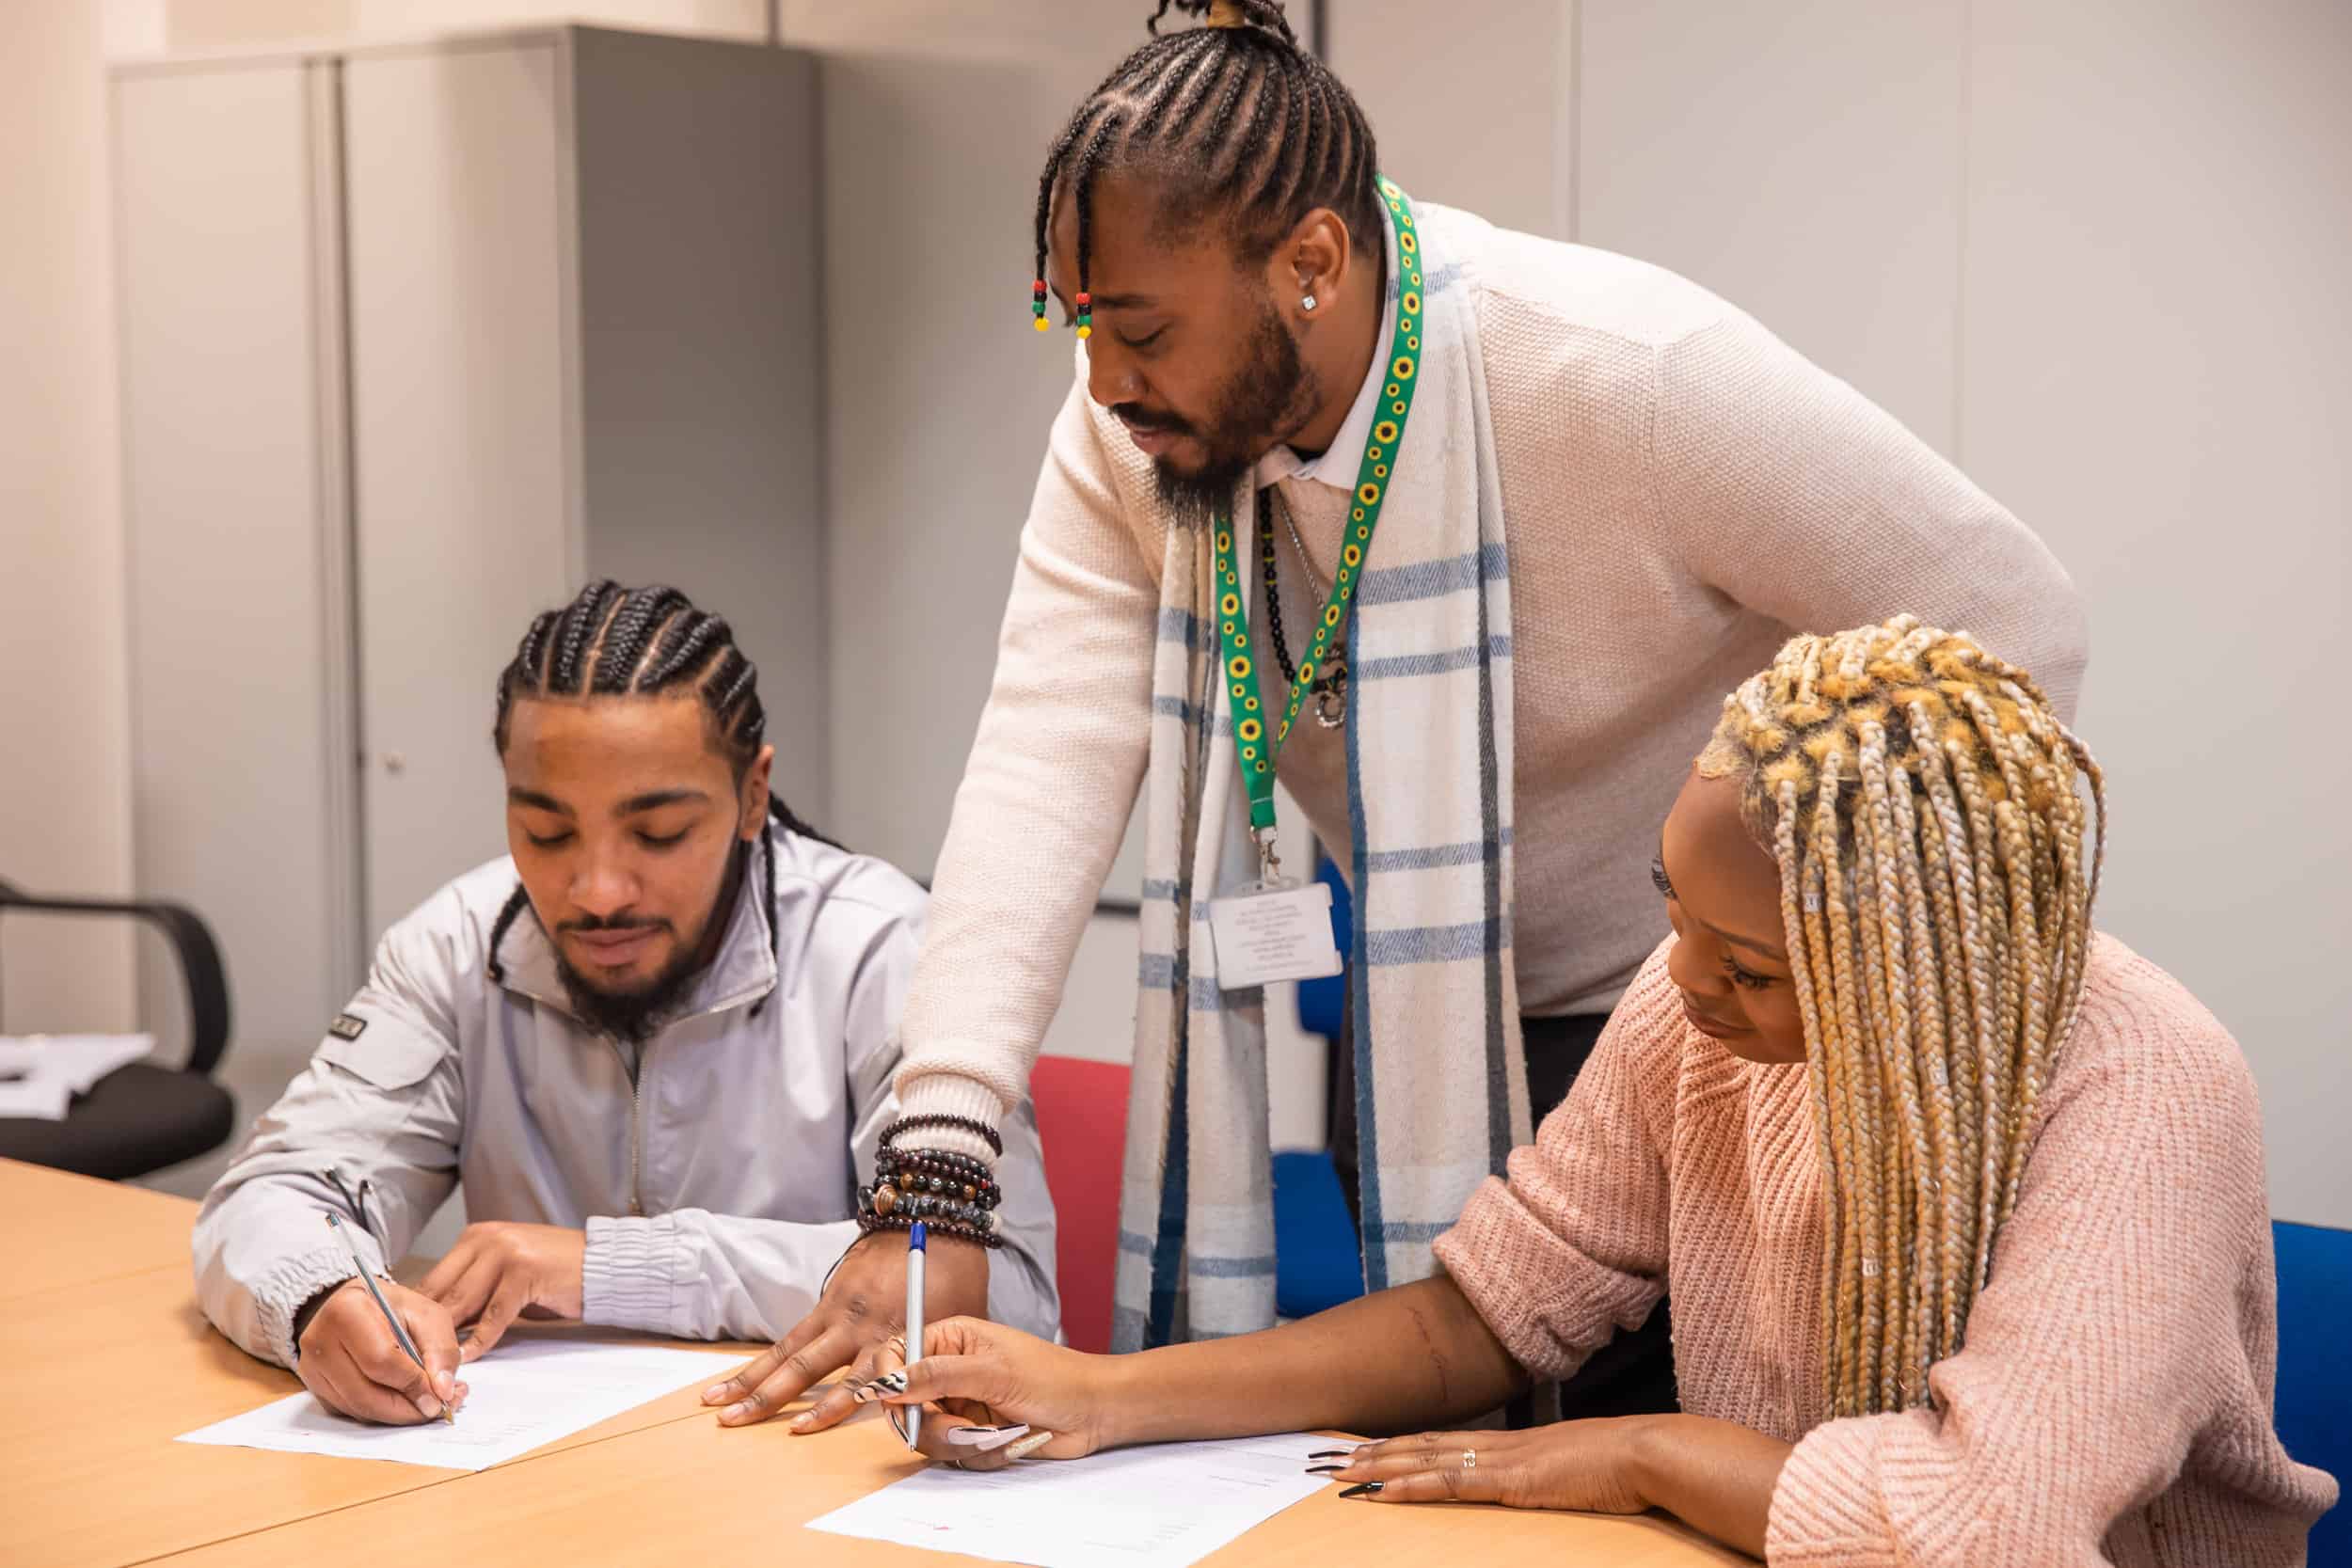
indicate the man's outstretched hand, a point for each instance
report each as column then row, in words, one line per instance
column 862, row 1308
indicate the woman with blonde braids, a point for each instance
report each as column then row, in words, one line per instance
column 1960, row 1202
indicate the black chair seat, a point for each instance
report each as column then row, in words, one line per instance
column 136, row 1120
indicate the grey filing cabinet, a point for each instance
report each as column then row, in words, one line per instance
column 416, row 339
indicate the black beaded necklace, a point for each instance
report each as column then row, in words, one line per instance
column 1330, row 683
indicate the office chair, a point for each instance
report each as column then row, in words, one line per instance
column 141, row 1117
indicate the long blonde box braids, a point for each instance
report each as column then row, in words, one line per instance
column 1925, row 810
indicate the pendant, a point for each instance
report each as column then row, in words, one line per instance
column 1331, row 692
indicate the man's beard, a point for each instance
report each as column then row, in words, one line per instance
column 635, row 1015
column 1271, row 396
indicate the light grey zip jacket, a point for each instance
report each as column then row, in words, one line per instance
column 716, row 1192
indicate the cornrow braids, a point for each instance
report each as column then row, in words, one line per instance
column 611, row 641
column 1925, row 810
column 1234, row 118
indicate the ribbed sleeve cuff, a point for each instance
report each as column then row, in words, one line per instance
column 626, row 1272
column 278, row 1294
column 1469, row 1251
column 1828, row 1509
column 946, row 1094
column 1549, row 1306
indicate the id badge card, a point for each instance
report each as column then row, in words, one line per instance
column 1272, row 932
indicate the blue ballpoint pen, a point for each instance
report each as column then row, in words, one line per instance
column 914, row 1323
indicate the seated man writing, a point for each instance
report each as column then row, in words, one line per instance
column 1959, row 1201
column 654, row 1046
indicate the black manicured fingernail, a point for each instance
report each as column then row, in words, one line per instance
column 1325, row 1469
column 1362, row 1489
column 1330, row 1453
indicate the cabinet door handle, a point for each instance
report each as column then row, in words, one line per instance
column 395, row 763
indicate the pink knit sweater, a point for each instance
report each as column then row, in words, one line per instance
column 2113, row 1403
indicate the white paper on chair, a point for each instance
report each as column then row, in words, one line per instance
column 522, row 1396
column 1162, row 1507
column 40, row 1074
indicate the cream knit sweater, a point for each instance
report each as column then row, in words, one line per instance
column 1681, row 490
column 2112, row 1402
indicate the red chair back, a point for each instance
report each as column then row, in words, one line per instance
column 1082, row 1116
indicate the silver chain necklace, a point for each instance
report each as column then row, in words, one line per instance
column 1331, row 696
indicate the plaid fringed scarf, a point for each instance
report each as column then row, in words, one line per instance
column 1441, row 1092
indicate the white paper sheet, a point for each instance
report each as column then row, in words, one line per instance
column 522, row 1396
column 1162, row 1507
column 40, row 1074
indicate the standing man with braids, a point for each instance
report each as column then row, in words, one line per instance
column 1463, row 533
column 654, row 1046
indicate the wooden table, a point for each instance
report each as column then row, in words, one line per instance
column 61, row 1229
column 696, row 1492
column 103, row 1374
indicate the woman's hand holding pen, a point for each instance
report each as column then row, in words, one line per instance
column 995, row 1393
column 352, row 1361
column 862, row 1309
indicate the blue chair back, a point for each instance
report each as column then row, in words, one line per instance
column 1316, row 1261
column 1320, row 1001
column 1316, row 1265
column 2315, row 1404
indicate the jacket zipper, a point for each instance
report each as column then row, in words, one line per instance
column 644, row 1060
column 636, row 1083
column 636, row 1122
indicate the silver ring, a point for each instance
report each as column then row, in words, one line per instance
column 1469, row 1459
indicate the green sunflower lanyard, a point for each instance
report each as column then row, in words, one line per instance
column 1260, row 953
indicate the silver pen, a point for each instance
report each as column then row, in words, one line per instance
column 400, row 1332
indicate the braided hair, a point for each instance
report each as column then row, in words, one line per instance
column 1920, row 800
column 1233, row 118
column 611, row 641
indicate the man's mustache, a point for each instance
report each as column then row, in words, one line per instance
column 1140, row 419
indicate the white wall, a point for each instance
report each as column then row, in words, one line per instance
column 1473, row 106
column 2157, row 372
column 1839, row 226
column 64, row 705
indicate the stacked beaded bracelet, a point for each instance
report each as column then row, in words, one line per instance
column 883, row 1207
column 936, row 1173
column 979, row 1129
column 953, row 1195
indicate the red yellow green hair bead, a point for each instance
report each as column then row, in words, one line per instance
column 1084, row 322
